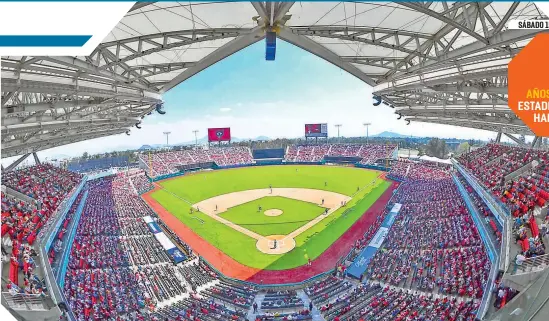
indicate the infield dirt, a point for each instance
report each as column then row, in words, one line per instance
column 219, row 204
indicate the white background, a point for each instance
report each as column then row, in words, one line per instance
column 60, row 18
column 69, row 18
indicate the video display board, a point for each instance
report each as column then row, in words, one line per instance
column 316, row 130
column 219, row 134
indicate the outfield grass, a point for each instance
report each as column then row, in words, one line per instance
column 310, row 244
column 295, row 214
column 203, row 185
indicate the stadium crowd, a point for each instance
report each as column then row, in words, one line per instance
column 433, row 243
column 22, row 221
column 116, row 266
column 482, row 209
column 372, row 301
column 368, row 153
column 167, row 162
column 141, row 183
column 44, row 183
column 411, row 170
column 432, row 264
column 494, row 166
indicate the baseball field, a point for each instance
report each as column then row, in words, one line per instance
column 271, row 217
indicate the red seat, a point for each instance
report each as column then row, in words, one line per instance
column 525, row 245
column 14, row 272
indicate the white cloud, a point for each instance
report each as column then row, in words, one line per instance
column 224, row 109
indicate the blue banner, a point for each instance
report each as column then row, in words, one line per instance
column 176, row 255
column 154, row 228
column 361, row 262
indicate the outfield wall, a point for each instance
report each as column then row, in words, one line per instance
column 374, row 167
column 269, row 163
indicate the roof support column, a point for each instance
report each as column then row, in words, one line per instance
column 17, row 162
column 36, row 159
column 513, row 138
column 498, row 138
column 537, row 141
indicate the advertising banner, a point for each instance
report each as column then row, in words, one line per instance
column 361, row 262
column 165, row 241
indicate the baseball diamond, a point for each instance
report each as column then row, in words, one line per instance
column 228, row 209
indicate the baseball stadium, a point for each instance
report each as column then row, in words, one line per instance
column 320, row 227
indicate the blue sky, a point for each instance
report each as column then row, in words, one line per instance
column 266, row 98
column 247, row 77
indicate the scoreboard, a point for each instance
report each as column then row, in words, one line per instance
column 219, row 134
column 316, row 130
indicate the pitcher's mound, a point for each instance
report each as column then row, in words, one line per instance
column 284, row 244
column 273, row 212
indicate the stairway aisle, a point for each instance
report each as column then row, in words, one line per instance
column 258, row 299
column 316, row 313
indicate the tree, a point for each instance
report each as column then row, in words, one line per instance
column 437, row 148
column 462, row 148
column 85, row 155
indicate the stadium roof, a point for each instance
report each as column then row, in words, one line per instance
column 435, row 62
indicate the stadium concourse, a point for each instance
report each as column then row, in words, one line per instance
column 432, row 264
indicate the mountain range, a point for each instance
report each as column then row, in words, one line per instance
column 201, row 141
column 387, row 134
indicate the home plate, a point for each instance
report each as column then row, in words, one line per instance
column 275, row 244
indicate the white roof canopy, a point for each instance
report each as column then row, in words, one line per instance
column 435, row 62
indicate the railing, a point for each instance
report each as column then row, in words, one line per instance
column 46, row 235
column 528, row 304
column 521, row 171
column 62, row 269
column 500, row 211
column 490, row 247
column 45, row 240
column 53, row 288
column 533, row 264
column 495, row 257
column 26, row 302
column 505, row 250
column 10, row 191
